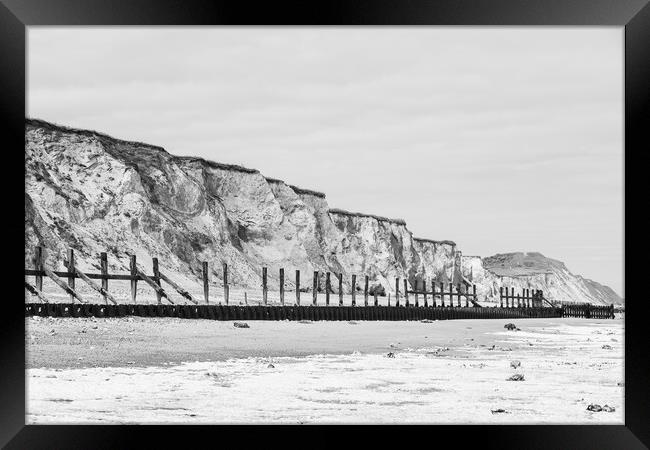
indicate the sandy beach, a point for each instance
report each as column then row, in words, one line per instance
column 142, row 370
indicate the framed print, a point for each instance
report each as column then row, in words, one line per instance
column 341, row 213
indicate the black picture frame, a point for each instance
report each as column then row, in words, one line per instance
column 634, row 15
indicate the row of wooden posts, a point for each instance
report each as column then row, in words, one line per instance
column 155, row 281
column 526, row 299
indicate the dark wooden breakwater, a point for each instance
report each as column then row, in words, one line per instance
column 527, row 305
column 295, row 312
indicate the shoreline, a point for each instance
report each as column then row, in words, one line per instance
column 63, row 343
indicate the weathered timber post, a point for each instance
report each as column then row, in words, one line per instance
column 501, row 295
column 298, row 287
column 328, row 288
column 226, row 293
column 506, row 289
column 374, row 294
column 206, row 283
column 415, row 289
column 442, row 294
column 71, row 272
column 433, row 293
column 365, row 293
column 134, row 278
column 103, row 265
column 282, row 285
column 396, row 292
column 314, row 295
column 388, row 298
column 354, row 290
column 474, row 295
column 264, row 285
column 38, row 263
column 156, row 278
column 340, row 289
column 406, row 293
column 451, row 295
column 466, row 296
column 424, row 291
column 458, row 294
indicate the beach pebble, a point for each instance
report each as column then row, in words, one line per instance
column 426, row 321
column 516, row 377
column 514, row 364
column 390, row 355
column 510, row 326
column 240, row 325
column 498, row 411
column 270, row 366
column 594, row 408
column 606, row 347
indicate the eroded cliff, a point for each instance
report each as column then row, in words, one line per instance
column 95, row 193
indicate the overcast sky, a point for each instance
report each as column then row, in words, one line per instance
column 501, row 139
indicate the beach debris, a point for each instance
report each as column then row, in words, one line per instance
column 511, row 326
column 241, row 325
column 426, row 321
column 606, row 347
column 352, row 322
column 593, row 407
column 498, row 411
column 492, row 348
column 607, row 408
column 390, row 355
column 270, row 366
column 304, row 321
column 514, row 364
column 516, row 377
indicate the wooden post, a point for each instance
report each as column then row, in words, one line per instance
column 315, row 289
column 506, row 289
column 433, row 293
column 328, row 288
column 134, row 279
column 458, row 289
column 225, row 283
column 94, row 285
column 206, row 283
column 406, row 293
column 156, row 278
column 298, row 287
column 340, row 289
column 501, row 295
column 388, row 298
column 451, row 295
column 354, row 290
column 365, row 293
column 466, row 296
column 442, row 294
column 396, row 292
column 374, row 294
column 282, row 285
column 71, row 272
column 38, row 263
column 474, row 295
column 424, row 290
column 62, row 285
column 264, row 286
column 415, row 288
column 103, row 264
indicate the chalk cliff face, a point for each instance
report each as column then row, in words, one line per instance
column 91, row 192
column 533, row 271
